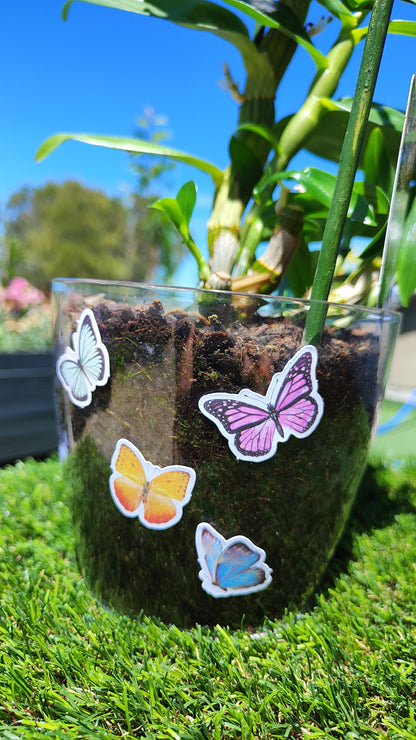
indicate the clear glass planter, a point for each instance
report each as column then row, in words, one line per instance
column 211, row 458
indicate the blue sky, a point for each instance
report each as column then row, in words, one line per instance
column 97, row 71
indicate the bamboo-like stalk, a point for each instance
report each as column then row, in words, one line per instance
column 350, row 153
column 297, row 131
column 257, row 107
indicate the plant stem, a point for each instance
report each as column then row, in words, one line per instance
column 258, row 107
column 296, row 132
column 325, row 84
column 348, row 164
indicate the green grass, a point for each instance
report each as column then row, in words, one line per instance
column 345, row 668
column 31, row 332
column 399, row 442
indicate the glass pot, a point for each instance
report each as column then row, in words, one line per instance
column 211, row 458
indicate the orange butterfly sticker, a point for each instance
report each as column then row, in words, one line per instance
column 155, row 495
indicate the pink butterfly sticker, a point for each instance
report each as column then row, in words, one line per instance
column 254, row 424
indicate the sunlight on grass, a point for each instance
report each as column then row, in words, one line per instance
column 399, row 442
column 345, row 668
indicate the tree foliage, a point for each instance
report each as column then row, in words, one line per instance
column 72, row 230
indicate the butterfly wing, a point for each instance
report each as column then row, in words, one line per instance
column 257, row 442
column 92, row 353
column 167, row 494
column 73, row 379
column 128, row 481
column 230, row 567
column 155, row 495
column 245, row 420
column 85, row 366
column 127, row 496
column 255, row 424
column 209, row 546
column 236, row 568
column 299, row 407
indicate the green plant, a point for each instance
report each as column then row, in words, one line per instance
column 266, row 216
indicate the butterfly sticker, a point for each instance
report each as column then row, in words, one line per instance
column 155, row 495
column 233, row 567
column 85, row 366
column 254, row 424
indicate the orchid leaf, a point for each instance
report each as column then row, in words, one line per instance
column 375, row 246
column 199, row 14
column 335, row 7
column 378, row 168
column 327, row 138
column 209, row 16
column 284, row 19
column 404, row 28
column 186, row 199
column 172, row 209
column 366, row 200
column 406, row 267
column 203, row 16
column 133, row 146
column 263, row 131
column 245, row 166
column 301, row 269
column 179, row 210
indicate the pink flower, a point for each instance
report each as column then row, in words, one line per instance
column 20, row 294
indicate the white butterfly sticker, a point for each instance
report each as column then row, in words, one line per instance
column 85, row 366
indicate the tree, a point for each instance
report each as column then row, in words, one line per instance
column 152, row 175
column 71, row 230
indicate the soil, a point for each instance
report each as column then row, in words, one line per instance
column 293, row 505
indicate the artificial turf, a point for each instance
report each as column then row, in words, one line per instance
column 343, row 668
column 401, row 439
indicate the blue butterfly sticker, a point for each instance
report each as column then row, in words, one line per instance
column 232, row 567
column 85, row 366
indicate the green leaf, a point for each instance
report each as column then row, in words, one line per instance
column 173, row 211
column 335, row 7
column 179, row 211
column 207, row 16
column 133, row 146
column 204, row 16
column 198, row 14
column 327, row 138
column 366, row 201
column 301, row 269
column 374, row 196
column 406, row 267
column 263, row 131
column 377, row 166
column 375, row 247
column 246, row 167
column 186, row 199
column 284, row 19
column 404, row 28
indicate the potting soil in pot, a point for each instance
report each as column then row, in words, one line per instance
column 235, row 535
